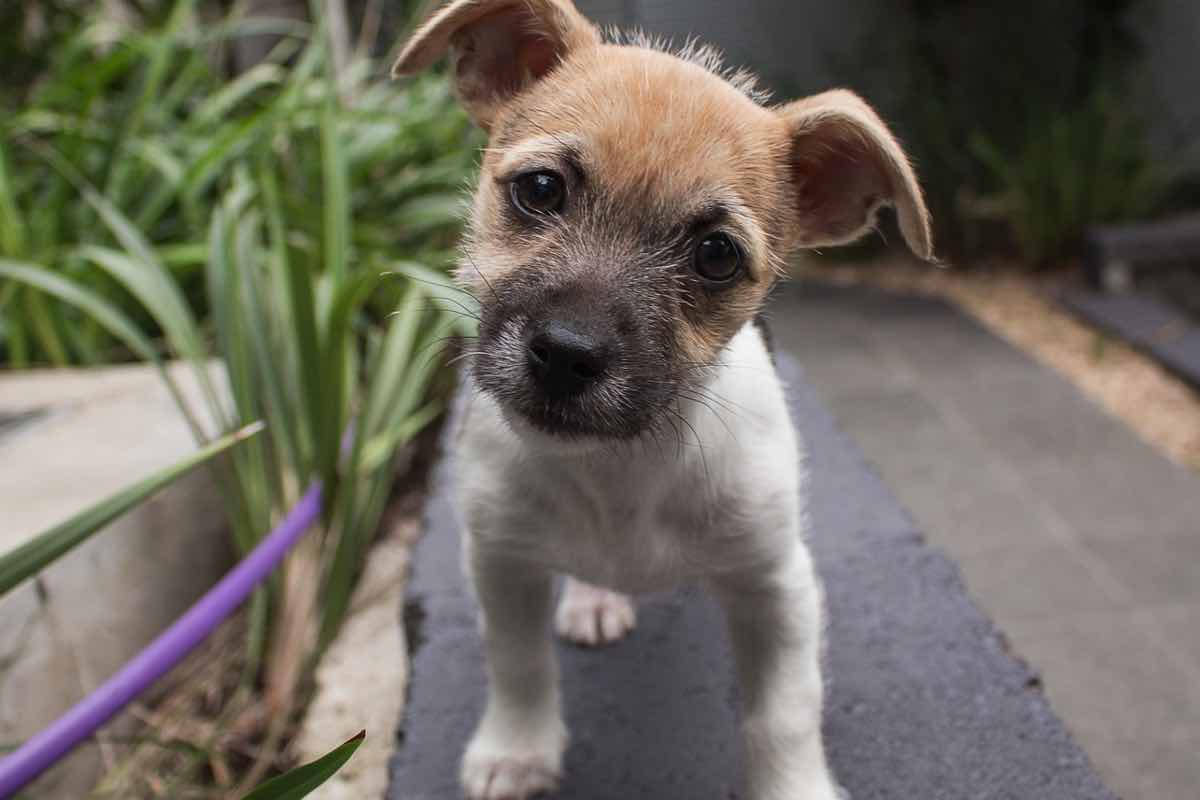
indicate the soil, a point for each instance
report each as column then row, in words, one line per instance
column 1019, row 307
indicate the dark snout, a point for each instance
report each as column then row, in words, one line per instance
column 574, row 359
column 566, row 357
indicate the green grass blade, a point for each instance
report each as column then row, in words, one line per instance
column 345, row 304
column 152, row 285
column 16, row 339
column 388, row 367
column 143, row 275
column 256, row 314
column 301, row 781
column 109, row 316
column 447, row 297
column 162, row 48
column 336, row 195
column 225, row 299
column 12, row 224
column 378, row 450
column 44, row 328
column 304, row 330
column 221, row 103
column 30, row 558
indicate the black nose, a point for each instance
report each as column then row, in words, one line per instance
column 564, row 360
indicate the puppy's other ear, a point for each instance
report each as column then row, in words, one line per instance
column 845, row 164
column 498, row 47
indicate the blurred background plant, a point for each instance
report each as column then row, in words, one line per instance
column 1027, row 123
column 285, row 228
column 1088, row 165
column 143, row 108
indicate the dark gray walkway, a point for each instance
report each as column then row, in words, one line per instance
column 1080, row 541
column 925, row 701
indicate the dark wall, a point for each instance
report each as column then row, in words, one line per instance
column 803, row 46
column 794, row 45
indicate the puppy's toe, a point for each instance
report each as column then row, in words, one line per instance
column 506, row 778
column 513, row 763
column 592, row 616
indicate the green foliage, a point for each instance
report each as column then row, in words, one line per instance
column 1087, row 166
column 35, row 555
column 303, row 780
column 140, row 112
column 1022, row 119
column 286, row 232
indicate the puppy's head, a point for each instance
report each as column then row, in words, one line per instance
column 635, row 207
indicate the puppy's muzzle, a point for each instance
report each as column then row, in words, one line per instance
column 565, row 359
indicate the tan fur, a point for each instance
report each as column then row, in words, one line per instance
column 654, row 152
column 696, row 138
column 847, row 165
column 499, row 47
column 661, row 134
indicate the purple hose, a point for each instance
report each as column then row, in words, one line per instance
column 36, row 755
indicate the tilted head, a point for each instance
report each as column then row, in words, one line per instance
column 635, row 206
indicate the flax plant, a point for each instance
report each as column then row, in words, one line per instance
column 291, row 225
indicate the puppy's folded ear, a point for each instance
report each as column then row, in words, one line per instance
column 845, row 164
column 498, row 47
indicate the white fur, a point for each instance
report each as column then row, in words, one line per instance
column 720, row 504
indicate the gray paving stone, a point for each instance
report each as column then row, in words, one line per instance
column 1076, row 536
column 1119, row 495
column 1154, row 570
column 1177, row 626
column 920, row 327
column 1038, row 420
column 1035, row 582
column 898, row 413
column 924, row 699
column 1136, row 716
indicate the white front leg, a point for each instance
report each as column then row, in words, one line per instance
column 774, row 617
column 517, row 750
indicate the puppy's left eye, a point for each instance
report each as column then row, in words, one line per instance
column 718, row 259
column 538, row 194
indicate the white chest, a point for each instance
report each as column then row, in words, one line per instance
column 643, row 516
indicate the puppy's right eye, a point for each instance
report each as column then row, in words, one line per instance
column 538, row 194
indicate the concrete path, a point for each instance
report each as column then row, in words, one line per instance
column 925, row 700
column 1080, row 541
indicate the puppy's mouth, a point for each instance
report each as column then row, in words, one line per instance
column 568, row 382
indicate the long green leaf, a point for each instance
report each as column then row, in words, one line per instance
column 12, row 225
column 104, row 312
column 151, row 284
column 378, row 450
column 144, row 275
column 35, row 555
column 336, row 199
column 107, row 315
column 304, row 329
column 45, row 329
column 301, row 781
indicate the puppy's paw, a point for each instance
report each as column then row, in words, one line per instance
column 497, row 767
column 591, row 616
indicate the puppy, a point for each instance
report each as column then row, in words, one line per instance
column 624, row 425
